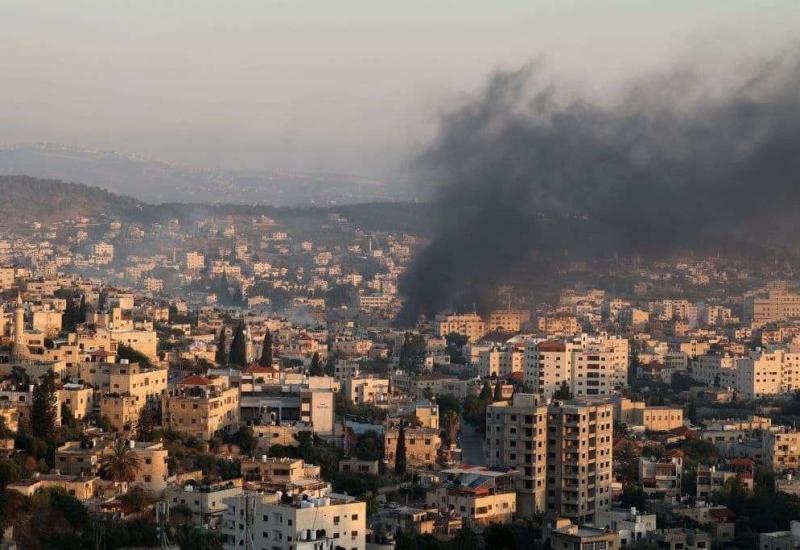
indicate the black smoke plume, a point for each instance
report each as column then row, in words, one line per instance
column 523, row 172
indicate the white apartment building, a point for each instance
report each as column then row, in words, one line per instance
column 501, row 361
column 768, row 373
column 276, row 522
column 631, row 524
column 715, row 369
column 590, row 365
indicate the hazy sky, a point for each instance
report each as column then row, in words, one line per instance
column 349, row 86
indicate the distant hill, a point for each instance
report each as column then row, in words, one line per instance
column 155, row 181
column 24, row 199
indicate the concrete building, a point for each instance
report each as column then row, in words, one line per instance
column 782, row 450
column 80, row 458
column 205, row 501
column 568, row 536
column 516, row 437
column 153, row 470
column 194, row 260
column 662, row 477
column 501, row 361
column 438, row 384
column 631, row 524
column 652, row 418
column 771, row 306
column 469, row 324
column 712, row 479
column 562, row 324
column 427, row 412
column 781, row 540
column 680, row 539
column 367, row 390
column 714, row 369
column 122, row 410
column 354, row 465
column 308, row 400
column 270, row 521
column 144, row 384
column 579, row 461
column 767, row 374
column 422, row 445
column 505, row 321
column 481, row 496
column 78, row 398
column 788, row 484
column 201, row 407
column 590, row 366
column 82, row 488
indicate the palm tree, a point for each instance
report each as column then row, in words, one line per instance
column 451, row 426
column 121, row 464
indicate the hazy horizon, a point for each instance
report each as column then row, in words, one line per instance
column 348, row 87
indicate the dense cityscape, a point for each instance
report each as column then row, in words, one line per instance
column 379, row 275
column 240, row 382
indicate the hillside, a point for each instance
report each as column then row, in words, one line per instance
column 158, row 182
column 25, row 199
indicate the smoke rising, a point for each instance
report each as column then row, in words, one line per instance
column 524, row 171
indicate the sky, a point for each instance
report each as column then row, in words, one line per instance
column 343, row 86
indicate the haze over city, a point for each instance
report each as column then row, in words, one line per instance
column 350, row 87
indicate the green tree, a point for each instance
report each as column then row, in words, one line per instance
column 452, row 423
column 400, row 452
column 133, row 356
column 19, row 376
column 238, row 354
column 486, row 392
column 221, row 357
column 369, row 446
column 412, row 352
column 244, row 438
column 691, row 411
column 121, row 464
column 145, row 424
column 446, row 403
column 499, row 537
column 266, row 351
column 316, row 366
column 43, row 407
column 563, row 391
column 475, row 411
column 330, row 366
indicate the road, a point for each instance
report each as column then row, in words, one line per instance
column 471, row 443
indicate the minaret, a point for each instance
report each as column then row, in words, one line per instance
column 18, row 350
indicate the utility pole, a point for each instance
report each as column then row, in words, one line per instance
column 250, row 504
column 162, row 518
